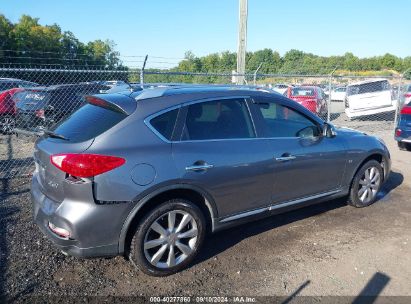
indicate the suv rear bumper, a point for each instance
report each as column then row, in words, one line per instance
column 366, row 112
column 45, row 211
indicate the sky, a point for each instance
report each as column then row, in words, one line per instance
column 166, row 29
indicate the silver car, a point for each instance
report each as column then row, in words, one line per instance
column 148, row 174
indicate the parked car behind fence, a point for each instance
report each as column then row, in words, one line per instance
column 369, row 97
column 8, row 88
column 44, row 106
column 311, row 97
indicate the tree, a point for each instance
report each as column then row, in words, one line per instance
column 29, row 42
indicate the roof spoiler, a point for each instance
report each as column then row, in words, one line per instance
column 114, row 102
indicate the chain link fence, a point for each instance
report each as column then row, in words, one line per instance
column 34, row 99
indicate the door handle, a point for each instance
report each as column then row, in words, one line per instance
column 285, row 158
column 197, row 168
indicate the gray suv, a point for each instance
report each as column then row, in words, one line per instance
column 148, row 174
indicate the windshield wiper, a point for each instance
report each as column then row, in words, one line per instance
column 55, row 135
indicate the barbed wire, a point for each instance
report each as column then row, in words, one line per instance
column 88, row 55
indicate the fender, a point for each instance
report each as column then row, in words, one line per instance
column 183, row 186
column 385, row 159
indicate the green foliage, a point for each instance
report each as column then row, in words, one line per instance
column 407, row 74
column 294, row 62
column 29, row 43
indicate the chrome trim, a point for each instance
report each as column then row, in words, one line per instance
column 277, row 206
column 285, row 158
column 244, row 214
column 199, row 167
column 232, row 139
column 301, row 200
column 148, row 119
column 406, row 140
column 154, row 115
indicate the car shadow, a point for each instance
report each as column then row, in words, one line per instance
column 221, row 241
column 394, row 180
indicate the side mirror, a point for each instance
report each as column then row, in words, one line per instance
column 329, row 130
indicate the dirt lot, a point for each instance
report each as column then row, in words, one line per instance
column 328, row 249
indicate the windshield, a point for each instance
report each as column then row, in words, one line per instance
column 302, row 92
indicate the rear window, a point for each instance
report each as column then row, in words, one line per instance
column 370, row 87
column 31, row 100
column 88, row 122
column 409, row 88
column 302, row 92
column 164, row 123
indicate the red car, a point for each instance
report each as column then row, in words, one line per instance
column 311, row 97
column 9, row 87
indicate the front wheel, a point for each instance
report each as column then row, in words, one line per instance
column 366, row 184
column 168, row 238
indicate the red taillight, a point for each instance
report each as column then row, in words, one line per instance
column 407, row 95
column 406, row 110
column 398, row 132
column 86, row 165
column 40, row 113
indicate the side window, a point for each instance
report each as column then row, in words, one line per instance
column 6, row 86
column 218, row 119
column 280, row 121
column 164, row 123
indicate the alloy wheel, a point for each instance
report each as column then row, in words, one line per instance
column 170, row 239
column 7, row 125
column 369, row 185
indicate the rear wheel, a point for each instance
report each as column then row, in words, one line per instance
column 7, row 124
column 366, row 184
column 404, row 146
column 168, row 238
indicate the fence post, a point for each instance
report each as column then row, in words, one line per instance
column 142, row 72
column 329, row 95
column 329, row 99
column 398, row 102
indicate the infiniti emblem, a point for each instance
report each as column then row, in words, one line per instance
column 52, row 184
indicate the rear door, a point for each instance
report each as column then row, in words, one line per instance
column 304, row 162
column 220, row 153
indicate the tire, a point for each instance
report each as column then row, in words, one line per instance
column 146, row 243
column 356, row 197
column 7, row 124
column 404, row 146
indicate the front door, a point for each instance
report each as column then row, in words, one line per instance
column 305, row 162
column 219, row 152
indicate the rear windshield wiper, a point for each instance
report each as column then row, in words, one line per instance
column 54, row 135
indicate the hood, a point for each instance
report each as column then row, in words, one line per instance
column 349, row 132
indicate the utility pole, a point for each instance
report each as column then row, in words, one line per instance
column 242, row 40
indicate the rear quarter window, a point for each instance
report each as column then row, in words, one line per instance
column 164, row 123
column 88, row 122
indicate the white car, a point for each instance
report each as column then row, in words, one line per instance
column 338, row 94
column 368, row 98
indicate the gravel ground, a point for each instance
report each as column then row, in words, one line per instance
column 327, row 249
